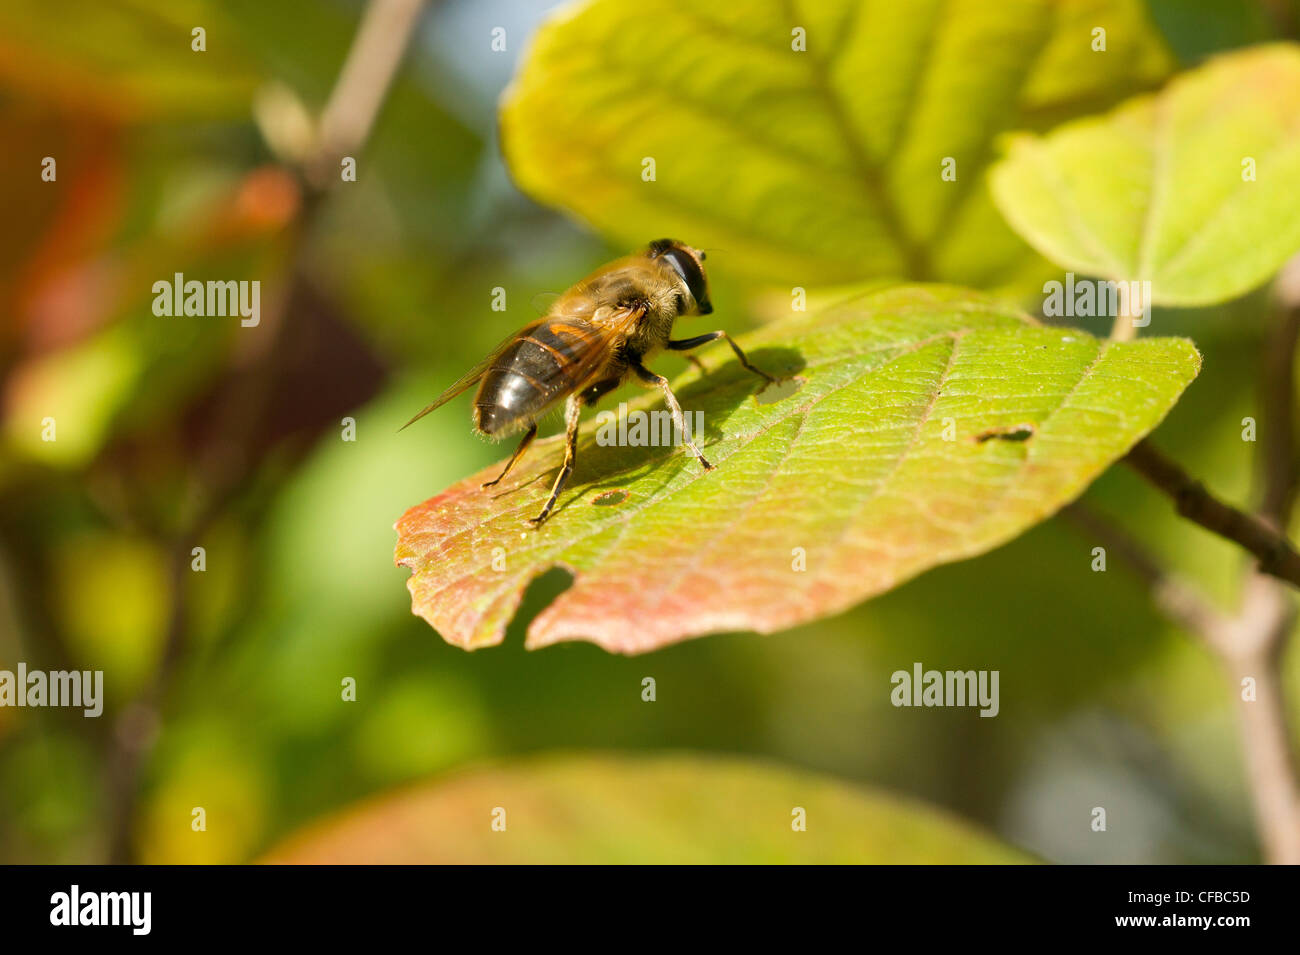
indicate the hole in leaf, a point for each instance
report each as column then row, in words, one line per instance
column 779, row 390
column 1011, row 432
column 542, row 591
column 609, row 498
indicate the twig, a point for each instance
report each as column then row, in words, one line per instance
column 1279, row 437
column 1284, row 18
column 1255, row 654
column 1131, row 307
column 1268, row 611
column 372, row 62
column 136, row 728
column 1276, row 555
column 382, row 37
column 1250, row 644
column 1173, row 597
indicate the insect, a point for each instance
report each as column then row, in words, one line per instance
column 595, row 336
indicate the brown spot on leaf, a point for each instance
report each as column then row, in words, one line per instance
column 1011, row 432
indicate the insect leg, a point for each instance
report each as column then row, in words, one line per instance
column 686, row 343
column 650, row 378
column 519, row 451
column 572, row 411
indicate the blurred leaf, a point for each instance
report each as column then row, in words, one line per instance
column 53, row 224
column 420, row 160
column 125, row 59
column 204, row 767
column 422, row 723
column 852, row 473
column 1156, row 190
column 112, row 599
column 660, row 810
column 80, row 388
column 818, row 166
column 50, row 796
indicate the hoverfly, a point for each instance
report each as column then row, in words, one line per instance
column 595, row 336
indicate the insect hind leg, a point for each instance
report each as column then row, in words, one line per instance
column 572, row 412
column 519, row 452
column 679, row 420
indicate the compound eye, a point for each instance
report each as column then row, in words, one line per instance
column 686, row 266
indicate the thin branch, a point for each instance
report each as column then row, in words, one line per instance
column 1276, row 555
column 1284, row 18
column 1131, row 308
column 376, row 52
column 382, row 37
column 1268, row 610
column 1279, row 436
column 1255, row 655
column 1173, row 597
column 135, row 728
column 1250, row 644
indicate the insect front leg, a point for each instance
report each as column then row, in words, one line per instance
column 519, row 451
column 572, row 411
column 687, row 343
column 679, row 420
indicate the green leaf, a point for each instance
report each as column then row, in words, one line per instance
column 617, row 810
column 853, row 476
column 125, row 59
column 816, row 166
column 1158, row 191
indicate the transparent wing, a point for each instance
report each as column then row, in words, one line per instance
column 543, row 301
column 472, row 376
column 575, row 349
column 572, row 352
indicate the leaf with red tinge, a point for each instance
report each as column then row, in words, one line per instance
column 656, row 810
column 929, row 424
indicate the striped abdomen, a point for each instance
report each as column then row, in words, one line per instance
column 533, row 372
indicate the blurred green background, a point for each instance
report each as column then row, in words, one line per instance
column 224, row 686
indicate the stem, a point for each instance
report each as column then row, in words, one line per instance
column 382, row 37
column 1173, row 597
column 1252, row 644
column 1276, row 555
column 1270, row 769
column 135, row 729
column 1268, row 612
column 1278, row 396
column 1130, row 309
column 377, row 49
column 1265, row 734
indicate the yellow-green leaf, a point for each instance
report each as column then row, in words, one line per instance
column 816, row 165
column 127, row 60
column 1194, row 190
column 931, row 425
column 607, row 809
